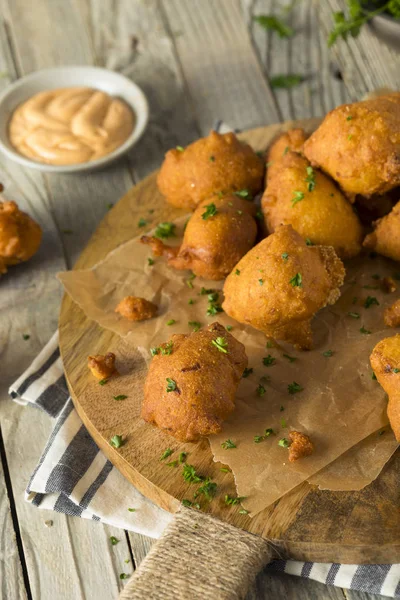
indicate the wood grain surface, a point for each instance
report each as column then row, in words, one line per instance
column 306, row 524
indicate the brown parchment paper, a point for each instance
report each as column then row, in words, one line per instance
column 340, row 404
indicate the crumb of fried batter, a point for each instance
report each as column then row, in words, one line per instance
column 389, row 285
column 300, row 447
column 102, row 366
column 136, row 309
column 391, row 316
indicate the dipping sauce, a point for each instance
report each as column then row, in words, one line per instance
column 70, row 125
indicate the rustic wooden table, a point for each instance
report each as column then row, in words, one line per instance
column 197, row 60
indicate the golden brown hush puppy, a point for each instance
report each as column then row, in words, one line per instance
column 217, row 235
column 281, row 283
column 136, row 309
column 298, row 195
column 290, row 141
column 102, row 366
column 20, row 236
column 217, row 163
column 358, row 145
column 191, row 384
column 385, row 239
column 385, row 362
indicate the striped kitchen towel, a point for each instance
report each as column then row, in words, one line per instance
column 74, row 477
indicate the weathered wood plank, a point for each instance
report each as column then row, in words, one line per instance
column 220, row 67
column 140, row 545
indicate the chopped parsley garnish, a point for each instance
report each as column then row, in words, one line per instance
column 150, row 262
column 114, row 541
column 296, row 281
column 243, row 511
column 260, row 391
column 123, row 576
column 294, row 388
column 268, row 432
column 248, row 371
column 171, row 322
column 210, row 211
column 298, row 197
column 286, row 150
column 283, row 423
column 290, row 358
column 231, row 501
column 225, row 470
column 310, row 179
column 116, row 441
column 370, row 301
column 213, row 297
column 268, row 360
column 244, row 194
column 327, row 353
column 285, row 256
column 285, row 81
column 190, row 301
column 229, row 327
column 166, row 454
column 142, row 222
column 132, row 509
column 171, row 385
column 228, row 445
column 189, row 474
column 26, row 336
column 353, row 315
column 173, row 463
column 189, row 281
column 182, row 457
column 272, row 23
column 103, row 381
column 120, row 397
column 261, row 281
column 208, row 489
column 221, row 344
column 237, row 272
column 258, row 438
column 282, row 408
column 213, row 308
column 188, row 503
column 212, row 158
column 165, row 230
column 195, row 324
column 395, row 370
column 308, row 242
column 349, row 118
column 284, row 443
column 363, row 330
column 204, row 291
column 180, row 148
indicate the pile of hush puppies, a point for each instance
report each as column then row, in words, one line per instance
column 324, row 198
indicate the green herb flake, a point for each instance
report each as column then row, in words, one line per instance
column 212, row 159
column 171, row 322
column 116, row 441
column 189, row 281
column 296, row 281
column 229, row 327
column 353, row 315
column 258, row 439
column 204, row 291
column 366, row 331
column 165, row 230
column 260, row 391
column 269, row 360
column 268, row 432
column 310, row 179
column 285, row 151
column 103, row 381
column 294, row 388
column 211, row 211
column 120, row 397
column 213, row 297
column 114, row 541
column 261, row 281
column 248, row 371
column 228, row 444
column 237, row 272
column 285, row 81
column 349, row 137
column 221, row 344
column 166, row 454
column 283, row 423
column 150, row 262
column 182, row 457
column 395, row 370
column 180, row 148
column 132, row 509
column 308, row 242
column 232, row 501
column 243, row 511
column 123, row 576
column 189, row 474
column 290, row 358
column 327, row 353
column 171, row 385
column 272, row 23
column 244, row 194
column 190, row 301
column 282, row 408
column 285, row 256
column 208, row 489
column 284, row 443
column 349, row 118
column 166, row 349
column 298, row 197
column 213, row 309
column 109, row 206
column 142, row 222
column 371, row 301
column 173, row 464
column 195, row 325
column 26, row 336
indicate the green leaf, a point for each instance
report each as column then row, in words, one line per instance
column 195, row 324
column 171, row 385
column 294, row 388
column 165, row 230
column 296, row 281
column 114, row 541
column 116, row 441
column 272, row 23
column 166, row 454
column 120, row 397
column 228, row 445
column 284, row 443
column 221, row 344
column 211, row 211
column 285, row 81
column 298, row 197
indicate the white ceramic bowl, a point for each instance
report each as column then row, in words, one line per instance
column 47, row 79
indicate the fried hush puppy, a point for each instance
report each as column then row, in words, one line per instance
column 358, row 145
column 217, row 235
column 300, row 446
column 391, row 316
column 305, row 198
column 191, row 383
column 102, row 366
column 385, row 239
column 136, row 309
column 385, row 362
column 217, row 163
column 279, row 285
column 20, row 236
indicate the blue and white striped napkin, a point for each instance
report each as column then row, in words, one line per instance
column 74, row 477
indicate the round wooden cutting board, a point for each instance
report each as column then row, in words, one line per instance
column 306, row 524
